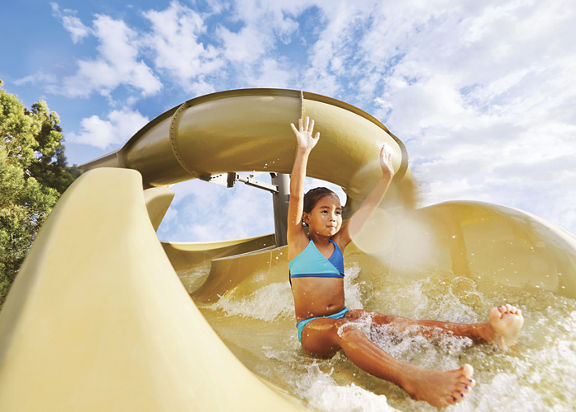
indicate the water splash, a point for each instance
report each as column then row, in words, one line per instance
column 323, row 393
column 537, row 374
column 267, row 303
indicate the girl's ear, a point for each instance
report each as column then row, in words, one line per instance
column 305, row 219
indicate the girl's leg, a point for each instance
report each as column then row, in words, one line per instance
column 322, row 337
column 502, row 328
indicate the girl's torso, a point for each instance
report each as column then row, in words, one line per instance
column 317, row 281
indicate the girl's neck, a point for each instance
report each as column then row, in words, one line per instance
column 319, row 240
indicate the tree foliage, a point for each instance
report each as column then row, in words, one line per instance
column 33, row 175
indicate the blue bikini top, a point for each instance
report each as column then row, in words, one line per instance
column 311, row 263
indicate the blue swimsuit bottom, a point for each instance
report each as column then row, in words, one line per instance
column 302, row 324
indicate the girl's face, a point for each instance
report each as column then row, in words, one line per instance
column 325, row 219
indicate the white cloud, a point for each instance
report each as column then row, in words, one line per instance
column 177, row 48
column 253, row 44
column 71, row 23
column 208, row 212
column 36, row 78
column 483, row 112
column 272, row 73
column 482, row 93
column 329, row 67
column 279, row 16
column 117, row 64
column 246, row 46
column 103, row 133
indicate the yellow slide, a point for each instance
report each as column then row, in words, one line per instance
column 101, row 317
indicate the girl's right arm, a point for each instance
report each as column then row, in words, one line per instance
column 374, row 198
column 297, row 239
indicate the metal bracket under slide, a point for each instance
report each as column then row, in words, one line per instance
column 228, row 180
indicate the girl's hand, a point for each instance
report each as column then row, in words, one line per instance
column 386, row 161
column 304, row 134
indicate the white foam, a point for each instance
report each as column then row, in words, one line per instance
column 430, row 298
column 439, row 351
column 268, row 303
column 274, row 301
column 538, row 374
column 323, row 393
column 352, row 288
column 505, row 393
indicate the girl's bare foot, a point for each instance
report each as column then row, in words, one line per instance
column 506, row 322
column 439, row 388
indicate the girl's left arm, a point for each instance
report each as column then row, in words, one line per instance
column 374, row 198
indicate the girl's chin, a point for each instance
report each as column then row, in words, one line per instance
column 327, row 233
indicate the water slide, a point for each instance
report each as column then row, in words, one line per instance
column 104, row 316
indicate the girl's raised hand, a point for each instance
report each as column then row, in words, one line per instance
column 304, row 134
column 386, row 161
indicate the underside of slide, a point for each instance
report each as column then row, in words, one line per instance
column 248, row 130
column 104, row 316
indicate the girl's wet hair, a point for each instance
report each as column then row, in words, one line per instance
column 314, row 195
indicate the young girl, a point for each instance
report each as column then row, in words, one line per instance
column 325, row 325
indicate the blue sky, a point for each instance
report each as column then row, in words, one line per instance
column 482, row 93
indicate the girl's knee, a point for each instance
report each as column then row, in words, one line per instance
column 348, row 330
column 319, row 346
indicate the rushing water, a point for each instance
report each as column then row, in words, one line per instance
column 537, row 374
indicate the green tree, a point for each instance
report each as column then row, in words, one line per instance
column 33, row 175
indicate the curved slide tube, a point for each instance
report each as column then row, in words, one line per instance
column 97, row 318
column 248, row 130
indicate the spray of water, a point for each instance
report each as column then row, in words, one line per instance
column 537, row 374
